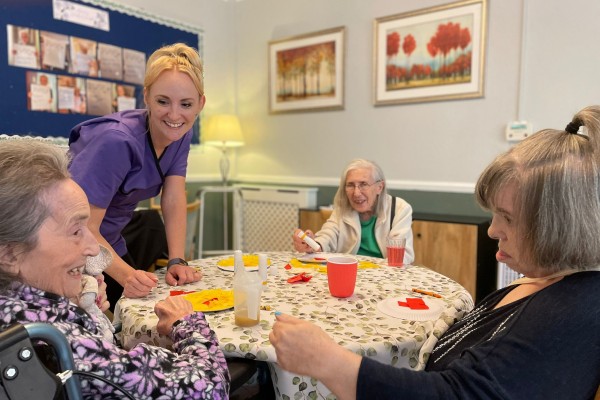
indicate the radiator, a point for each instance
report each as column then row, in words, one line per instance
column 269, row 215
column 506, row 275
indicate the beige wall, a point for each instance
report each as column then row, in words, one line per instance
column 542, row 73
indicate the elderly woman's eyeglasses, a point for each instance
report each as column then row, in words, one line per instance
column 361, row 186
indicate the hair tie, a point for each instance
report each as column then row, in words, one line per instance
column 573, row 127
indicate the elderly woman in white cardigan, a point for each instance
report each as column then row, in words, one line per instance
column 364, row 217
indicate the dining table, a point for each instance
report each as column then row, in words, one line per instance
column 375, row 321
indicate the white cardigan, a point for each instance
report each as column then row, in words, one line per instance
column 341, row 233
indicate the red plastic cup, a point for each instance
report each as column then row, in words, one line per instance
column 341, row 275
column 395, row 252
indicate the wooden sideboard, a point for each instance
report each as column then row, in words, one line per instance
column 459, row 248
column 312, row 219
column 455, row 246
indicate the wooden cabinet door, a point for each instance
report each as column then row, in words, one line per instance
column 312, row 220
column 447, row 248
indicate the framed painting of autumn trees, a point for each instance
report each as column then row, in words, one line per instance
column 307, row 72
column 430, row 54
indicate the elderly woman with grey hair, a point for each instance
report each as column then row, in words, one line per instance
column 44, row 245
column 364, row 216
column 538, row 338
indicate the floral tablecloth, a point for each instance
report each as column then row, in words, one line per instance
column 355, row 322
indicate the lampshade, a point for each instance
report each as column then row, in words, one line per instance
column 224, row 130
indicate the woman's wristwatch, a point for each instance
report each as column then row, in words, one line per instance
column 175, row 261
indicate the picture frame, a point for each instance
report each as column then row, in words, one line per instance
column 306, row 72
column 431, row 54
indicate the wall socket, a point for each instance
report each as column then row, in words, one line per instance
column 518, row 130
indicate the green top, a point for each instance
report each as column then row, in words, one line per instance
column 368, row 244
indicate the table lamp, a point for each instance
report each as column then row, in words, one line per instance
column 224, row 130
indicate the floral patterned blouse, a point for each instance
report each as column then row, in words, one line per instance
column 196, row 369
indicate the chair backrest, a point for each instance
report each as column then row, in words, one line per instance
column 23, row 374
column 193, row 214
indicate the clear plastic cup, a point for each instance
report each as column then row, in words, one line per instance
column 395, row 252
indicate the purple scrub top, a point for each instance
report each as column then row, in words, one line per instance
column 115, row 164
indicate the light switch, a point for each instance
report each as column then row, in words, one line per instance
column 518, row 130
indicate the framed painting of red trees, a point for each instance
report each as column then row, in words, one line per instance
column 430, row 54
column 307, row 72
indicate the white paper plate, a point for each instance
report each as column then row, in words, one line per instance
column 250, row 261
column 390, row 307
column 317, row 258
column 230, row 268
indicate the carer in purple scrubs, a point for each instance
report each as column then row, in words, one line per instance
column 129, row 156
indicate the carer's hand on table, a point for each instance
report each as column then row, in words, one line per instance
column 179, row 274
column 139, row 283
column 305, row 349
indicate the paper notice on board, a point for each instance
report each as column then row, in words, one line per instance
column 25, row 56
column 110, row 59
column 79, row 14
column 134, row 65
column 23, row 46
column 54, row 50
column 41, row 97
column 66, row 97
column 125, row 103
column 99, row 97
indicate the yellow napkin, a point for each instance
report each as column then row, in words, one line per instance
column 367, row 265
column 294, row 262
column 250, row 260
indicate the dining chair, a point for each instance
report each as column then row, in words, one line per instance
column 250, row 380
column 146, row 238
column 193, row 215
column 240, row 371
